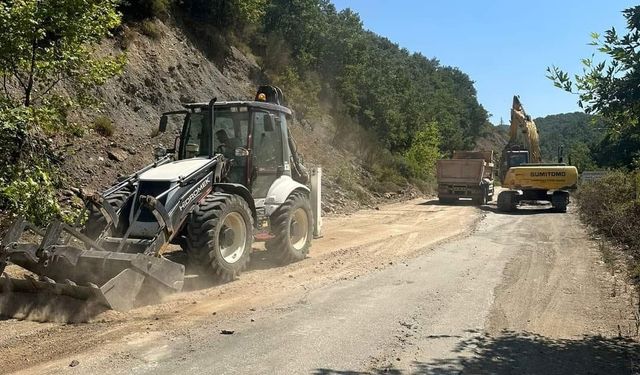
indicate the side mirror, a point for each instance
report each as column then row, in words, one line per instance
column 269, row 122
column 241, row 151
column 159, row 152
column 163, row 123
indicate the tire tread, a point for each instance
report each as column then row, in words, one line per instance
column 280, row 247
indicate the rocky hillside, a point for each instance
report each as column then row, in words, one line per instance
column 160, row 73
column 493, row 138
column 375, row 116
column 169, row 68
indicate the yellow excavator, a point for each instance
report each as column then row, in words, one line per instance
column 524, row 175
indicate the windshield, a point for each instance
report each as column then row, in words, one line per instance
column 230, row 131
column 518, row 159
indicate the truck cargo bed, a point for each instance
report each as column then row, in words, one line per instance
column 460, row 171
column 468, row 175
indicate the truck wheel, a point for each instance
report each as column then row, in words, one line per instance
column 506, row 201
column 482, row 198
column 446, row 200
column 559, row 201
column 292, row 225
column 219, row 235
column 486, row 198
column 96, row 222
column 478, row 201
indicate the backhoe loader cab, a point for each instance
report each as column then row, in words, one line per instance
column 233, row 178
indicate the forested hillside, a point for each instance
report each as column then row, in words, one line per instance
column 578, row 133
column 493, row 137
column 374, row 114
column 325, row 58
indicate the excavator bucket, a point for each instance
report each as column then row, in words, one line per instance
column 67, row 263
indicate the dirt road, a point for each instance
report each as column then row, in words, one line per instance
column 413, row 287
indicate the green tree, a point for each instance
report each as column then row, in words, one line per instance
column 224, row 14
column 567, row 129
column 424, row 151
column 611, row 87
column 581, row 157
column 144, row 9
column 384, row 87
column 44, row 43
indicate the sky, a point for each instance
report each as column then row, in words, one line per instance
column 504, row 46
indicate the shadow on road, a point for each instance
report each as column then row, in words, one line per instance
column 491, row 207
column 436, row 202
column 528, row 210
column 527, row 353
column 198, row 279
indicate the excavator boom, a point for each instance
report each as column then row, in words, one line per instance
column 523, row 133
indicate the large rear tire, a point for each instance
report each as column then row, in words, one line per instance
column 292, row 224
column 559, row 201
column 96, row 223
column 219, row 235
column 507, row 201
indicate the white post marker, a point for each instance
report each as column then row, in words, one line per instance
column 316, row 201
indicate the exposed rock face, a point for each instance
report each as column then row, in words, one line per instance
column 163, row 73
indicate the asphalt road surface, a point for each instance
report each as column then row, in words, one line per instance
column 411, row 288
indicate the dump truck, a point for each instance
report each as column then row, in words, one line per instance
column 233, row 178
column 469, row 174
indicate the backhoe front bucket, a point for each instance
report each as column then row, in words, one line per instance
column 119, row 281
column 118, row 293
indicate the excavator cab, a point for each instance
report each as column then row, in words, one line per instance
column 516, row 158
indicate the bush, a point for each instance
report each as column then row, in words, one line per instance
column 144, row 9
column 103, row 126
column 388, row 177
column 611, row 205
column 301, row 92
column 225, row 14
column 424, row 151
column 150, row 29
column 30, row 192
column 127, row 36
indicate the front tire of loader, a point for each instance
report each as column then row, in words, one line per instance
column 292, row 224
column 219, row 235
